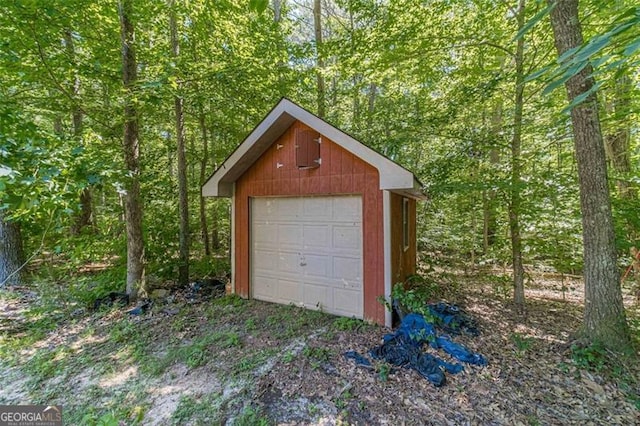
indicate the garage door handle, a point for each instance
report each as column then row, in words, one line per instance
column 303, row 261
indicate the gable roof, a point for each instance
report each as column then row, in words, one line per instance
column 393, row 177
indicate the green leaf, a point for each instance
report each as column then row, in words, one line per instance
column 566, row 55
column 632, row 48
column 533, row 21
column 570, row 72
column 258, row 5
column 581, row 98
column 537, row 74
column 592, row 47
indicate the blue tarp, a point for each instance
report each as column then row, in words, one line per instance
column 359, row 359
column 403, row 348
column 452, row 319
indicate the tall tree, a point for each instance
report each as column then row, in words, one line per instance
column 604, row 317
column 490, row 223
column 204, row 229
column 183, row 196
column 85, row 215
column 132, row 202
column 516, row 182
column 617, row 142
column 11, row 252
column 317, row 27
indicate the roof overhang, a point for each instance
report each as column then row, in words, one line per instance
column 393, row 177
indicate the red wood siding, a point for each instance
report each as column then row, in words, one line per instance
column 340, row 173
column 403, row 262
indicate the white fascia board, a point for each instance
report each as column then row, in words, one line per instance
column 232, row 246
column 220, row 184
column 386, row 226
column 393, row 177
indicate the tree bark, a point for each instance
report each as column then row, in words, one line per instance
column 84, row 218
column 604, row 317
column 617, row 143
column 490, row 221
column 215, row 229
column 277, row 11
column 317, row 26
column 373, row 90
column 11, row 252
column 132, row 200
column 183, row 196
column 516, row 167
column 203, row 176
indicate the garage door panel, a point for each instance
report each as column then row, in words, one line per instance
column 348, row 302
column 308, row 251
column 288, row 291
column 265, row 209
column 317, row 208
column 347, row 270
column 317, row 265
column 317, row 296
column 288, row 262
column 264, row 234
column 264, row 260
column 315, row 236
column 288, row 208
column 349, row 208
column 266, row 290
column 289, row 235
column 346, row 237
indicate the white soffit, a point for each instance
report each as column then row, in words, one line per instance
column 393, row 177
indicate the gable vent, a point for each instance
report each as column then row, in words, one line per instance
column 308, row 149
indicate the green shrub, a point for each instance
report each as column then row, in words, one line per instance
column 348, row 324
column 592, row 357
column 414, row 295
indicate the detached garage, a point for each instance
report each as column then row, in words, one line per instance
column 318, row 219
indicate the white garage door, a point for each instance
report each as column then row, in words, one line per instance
column 308, row 251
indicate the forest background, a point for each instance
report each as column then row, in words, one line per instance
column 112, row 114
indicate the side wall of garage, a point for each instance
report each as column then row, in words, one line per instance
column 276, row 173
column 403, row 248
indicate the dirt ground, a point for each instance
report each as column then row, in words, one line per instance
column 228, row 361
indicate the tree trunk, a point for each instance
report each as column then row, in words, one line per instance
column 132, row 201
column 317, row 26
column 490, row 221
column 11, row 252
column 183, row 196
column 604, row 316
column 203, row 176
column 215, row 233
column 617, row 143
column 516, row 166
column 277, row 11
column 84, row 217
column 373, row 90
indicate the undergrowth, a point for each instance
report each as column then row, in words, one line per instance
column 624, row 368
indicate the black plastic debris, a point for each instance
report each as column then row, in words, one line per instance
column 458, row 351
column 416, row 330
column 403, row 352
column 453, row 319
column 360, row 360
column 170, row 311
column 403, row 348
column 140, row 309
column 204, row 289
column 113, row 298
